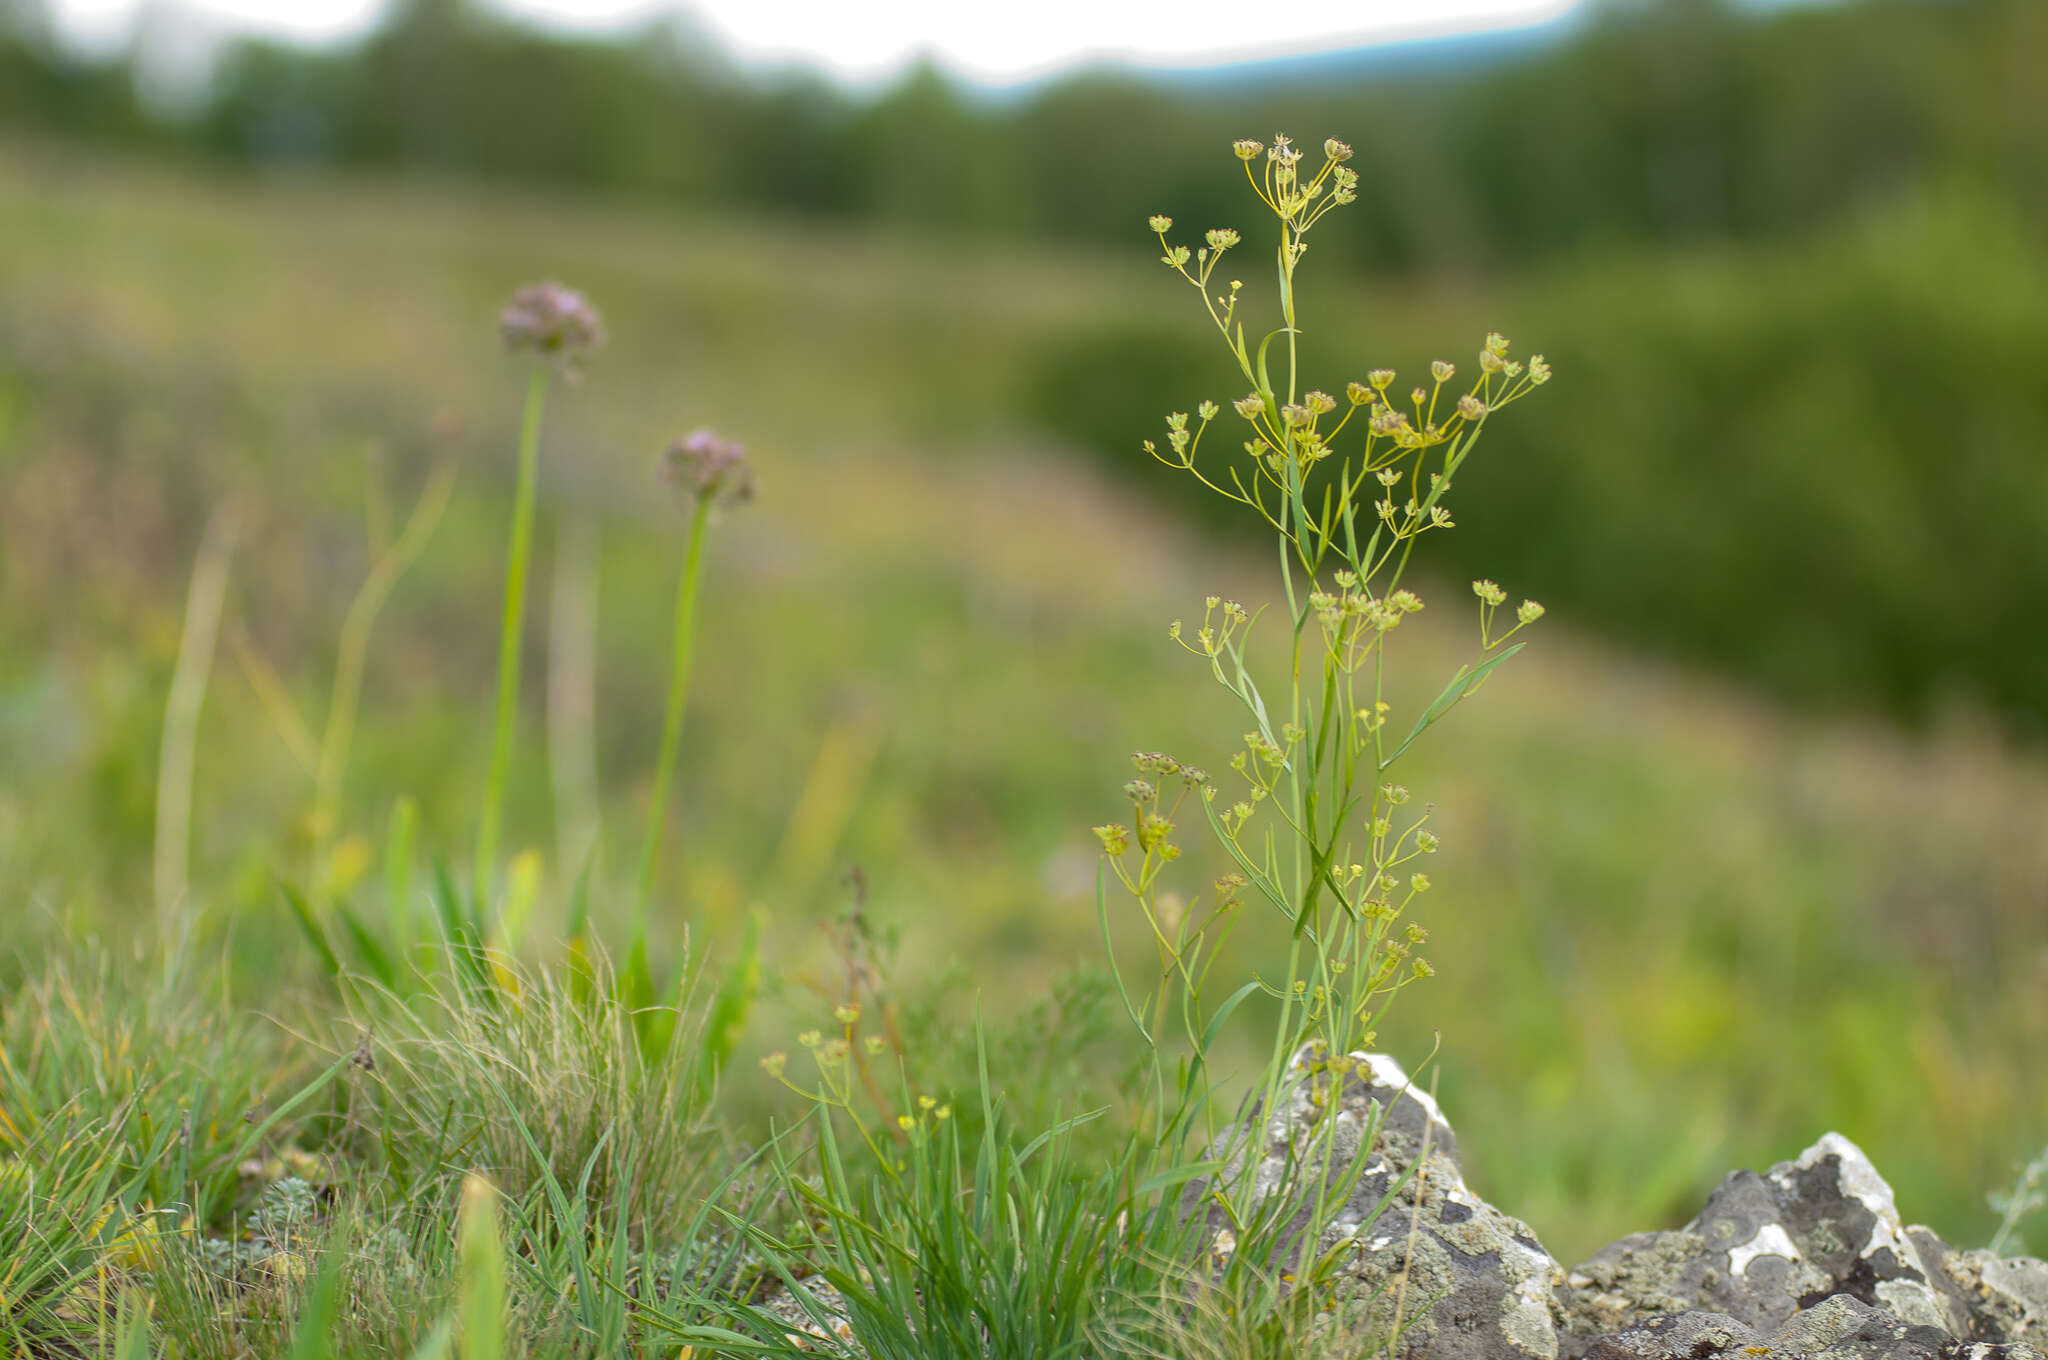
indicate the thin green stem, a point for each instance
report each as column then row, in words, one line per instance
column 510, row 629
column 392, row 559
column 678, row 696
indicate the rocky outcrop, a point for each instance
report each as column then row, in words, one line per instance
column 1463, row 1278
column 1809, row 1258
column 1823, row 1226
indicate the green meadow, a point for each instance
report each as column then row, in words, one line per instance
column 1678, row 925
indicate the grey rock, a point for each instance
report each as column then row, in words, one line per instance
column 1824, row 1225
column 1843, row 1327
column 1839, row 1327
column 1809, row 1258
column 1681, row 1336
column 2006, row 1296
column 1478, row 1284
column 833, row 1335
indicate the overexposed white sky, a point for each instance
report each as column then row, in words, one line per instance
column 993, row 41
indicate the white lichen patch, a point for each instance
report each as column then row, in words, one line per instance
column 1859, row 1180
column 1769, row 1240
column 1387, row 1072
column 1525, row 1310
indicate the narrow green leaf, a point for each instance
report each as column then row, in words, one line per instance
column 312, row 928
column 1461, row 685
column 733, row 1003
column 398, row 855
column 1178, row 1176
column 1216, row 1021
column 367, row 948
column 1116, row 974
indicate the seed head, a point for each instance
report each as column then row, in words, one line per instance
column 1539, row 372
column 1471, row 407
column 556, row 323
column 1247, row 149
column 1381, row 377
column 1441, row 371
column 1160, row 223
column 1223, row 238
column 1336, row 150
column 1249, row 406
column 1529, row 612
column 710, row 468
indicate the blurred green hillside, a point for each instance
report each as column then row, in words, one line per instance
column 1677, row 929
column 1796, row 255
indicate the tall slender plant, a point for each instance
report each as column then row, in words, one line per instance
column 1318, row 831
column 710, row 472
column 560, row 329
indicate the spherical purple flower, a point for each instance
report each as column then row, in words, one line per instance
column 708, row 467
column 556, row 323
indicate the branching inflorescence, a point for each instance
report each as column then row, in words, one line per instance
column 1314, row 825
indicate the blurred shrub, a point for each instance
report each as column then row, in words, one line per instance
column 1822, row 466
column 1109, row 388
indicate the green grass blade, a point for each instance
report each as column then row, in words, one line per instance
column 481, row 1263
column 315, row 934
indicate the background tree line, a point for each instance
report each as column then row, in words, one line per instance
column 1649, row 122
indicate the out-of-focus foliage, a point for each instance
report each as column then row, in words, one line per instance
column 1792, row 260
column 1673, row 119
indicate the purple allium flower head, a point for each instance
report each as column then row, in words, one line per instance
column 556, row 323
column 709, row 467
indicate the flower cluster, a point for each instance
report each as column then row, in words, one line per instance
column 558, row 324
column 844, row 1076
column 709, row 468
